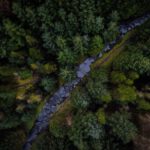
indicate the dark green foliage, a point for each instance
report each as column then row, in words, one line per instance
column 84, row 128
column 57, row 129
column 117, row 77
column 80, row 99
column 96, row 45
column 112, row 31
column 101, row 74
column 79, row 46
column 133, row 75
column 66, row 56
column 67, row 74
column 97, row 86
column 101, row 116
column 48, row 84
column 124, row 94
column 7, row 99
column 133, row 59
column 6, row 71
column 24, row 74
column 41, row 40
column 46, row 141
column 11, row 120
column 35, row 54
column 143, row 105
column 16, row 34
column 61, row 43
column 106, row 97
column 12, row 140
column 122, row 127
column 96, row 89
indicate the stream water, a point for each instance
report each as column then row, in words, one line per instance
column 63, row 92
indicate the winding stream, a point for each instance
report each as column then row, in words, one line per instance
column 63, row 92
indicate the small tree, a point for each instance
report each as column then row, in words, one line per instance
column 48, row 84
column 106, row 97
column 112, row 32
column 96, row 89
column 80, row 99
column 84, row 128
column 96, row 45
column 35, row 54
column 66, row 56
column 134, row 60
column 133, row 75
column 122, row 127
column 61, row 43
column 57, row 129
column 67, row 74
column 143, row 105
column 98, row 26
column 79, row 45
column 125, row 94
column 117, row 77
column 101, row 116
column 101, row 75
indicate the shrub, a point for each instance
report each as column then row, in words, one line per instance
column 117, row 77
column 79, row 45
column 17, row 57
column 134, row 60
column 100, row 75
column 129, row 82
column 80, row 99
column 106, row 97
column 48, row 84
column 16, row 34
column 34, row 98
column 30, row 40
column 96, row 45
column 7, row 99
column 10, row 121
column 67, row 74
column 133, row 75
column 122, row 127
column 143, row 105
column 35, row 54
column 57, row 129
column 96, row 86
column 96, row 89
column 112, row 32
column 124, row 93
column 84, row 128
column 98, row 26
column 101, row 116
column 95, row 145
column 24, row 74
column 61, row 43
column 66, row 57
column 46, row 141
column 48, row 68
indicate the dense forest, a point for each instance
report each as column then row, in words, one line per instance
column 41, row 44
